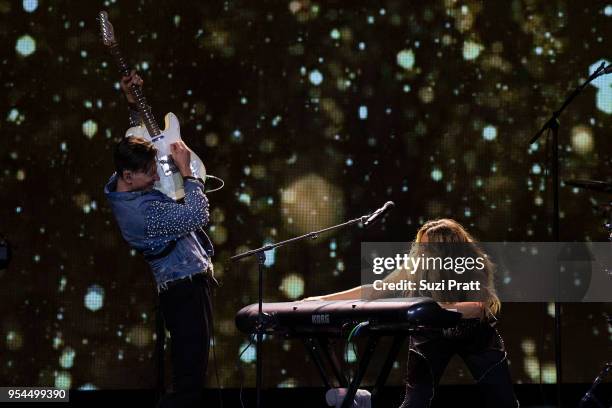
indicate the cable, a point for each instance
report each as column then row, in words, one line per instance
column 361, row 326
column 352, row 334
column 356, row 330
column 210, row 176
column 239, row 367
column 214, row 347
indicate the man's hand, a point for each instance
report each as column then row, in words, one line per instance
column 129, row 80
column 181, row 156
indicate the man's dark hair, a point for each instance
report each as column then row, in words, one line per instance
column 135, row 154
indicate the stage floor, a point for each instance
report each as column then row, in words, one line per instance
column 529, row 395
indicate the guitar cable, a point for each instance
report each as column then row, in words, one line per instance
column 214, row 355
column 239, row 367
column 212, row 328
column 219, row 179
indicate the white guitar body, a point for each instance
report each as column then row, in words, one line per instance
column 170, row 180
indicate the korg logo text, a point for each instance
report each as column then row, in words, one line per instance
column 320, row 319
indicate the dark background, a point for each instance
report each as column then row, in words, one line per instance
column 445, row 136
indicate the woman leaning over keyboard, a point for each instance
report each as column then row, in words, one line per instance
column 475, row 339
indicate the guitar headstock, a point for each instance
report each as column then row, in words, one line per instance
column 106, row 29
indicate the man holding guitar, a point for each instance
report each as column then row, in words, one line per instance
column 169, row 234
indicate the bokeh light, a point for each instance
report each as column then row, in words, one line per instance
column 313, row 114
column 26, row 45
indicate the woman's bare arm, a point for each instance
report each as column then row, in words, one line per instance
column 354, row 293
column 469, row 310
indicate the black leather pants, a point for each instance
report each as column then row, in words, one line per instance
column 480, row 347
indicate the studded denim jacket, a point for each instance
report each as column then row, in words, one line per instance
column 169, row 234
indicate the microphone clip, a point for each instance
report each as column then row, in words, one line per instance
column 372, row 218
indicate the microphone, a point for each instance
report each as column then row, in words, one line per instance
column 378, row 213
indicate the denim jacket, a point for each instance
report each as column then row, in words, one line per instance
column 169, row 234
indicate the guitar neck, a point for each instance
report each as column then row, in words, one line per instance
column 141, row 102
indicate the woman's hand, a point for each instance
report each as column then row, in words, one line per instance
column 468, row 310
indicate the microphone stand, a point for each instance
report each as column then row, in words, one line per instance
column 261, row 259
column 552, row 125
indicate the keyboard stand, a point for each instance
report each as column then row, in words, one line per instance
column 321, row 352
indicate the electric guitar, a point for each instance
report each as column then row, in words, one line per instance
column 170, row 179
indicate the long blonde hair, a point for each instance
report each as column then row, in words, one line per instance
column 446, row 230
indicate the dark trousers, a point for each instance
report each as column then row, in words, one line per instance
column 482, row 349
column 187, row 311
